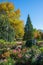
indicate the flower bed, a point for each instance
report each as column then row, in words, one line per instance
column 10, row 55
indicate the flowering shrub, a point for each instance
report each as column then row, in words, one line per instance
column 18, row 56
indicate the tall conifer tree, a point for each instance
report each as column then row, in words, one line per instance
column 28, row 29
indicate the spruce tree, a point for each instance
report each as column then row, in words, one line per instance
column 28, row 29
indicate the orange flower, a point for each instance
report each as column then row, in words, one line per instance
column 6, row 54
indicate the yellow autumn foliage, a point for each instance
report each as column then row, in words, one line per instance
column 14, row 17
column 36, row 34
column 6, row 6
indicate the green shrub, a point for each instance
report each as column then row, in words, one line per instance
column 41, row 49
column 5, row 44
column 29, row 43
column 8, row 61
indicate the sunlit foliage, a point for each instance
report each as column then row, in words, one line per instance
column 13, row 16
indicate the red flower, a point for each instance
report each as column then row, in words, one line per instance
column 14, row 51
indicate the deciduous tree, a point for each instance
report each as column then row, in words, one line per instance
column 11, row 17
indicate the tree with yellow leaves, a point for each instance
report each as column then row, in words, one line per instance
column 8, row 12
column 36, row 34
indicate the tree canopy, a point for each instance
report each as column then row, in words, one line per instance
column 10, row 18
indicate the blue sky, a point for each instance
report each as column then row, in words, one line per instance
column 32, row 7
